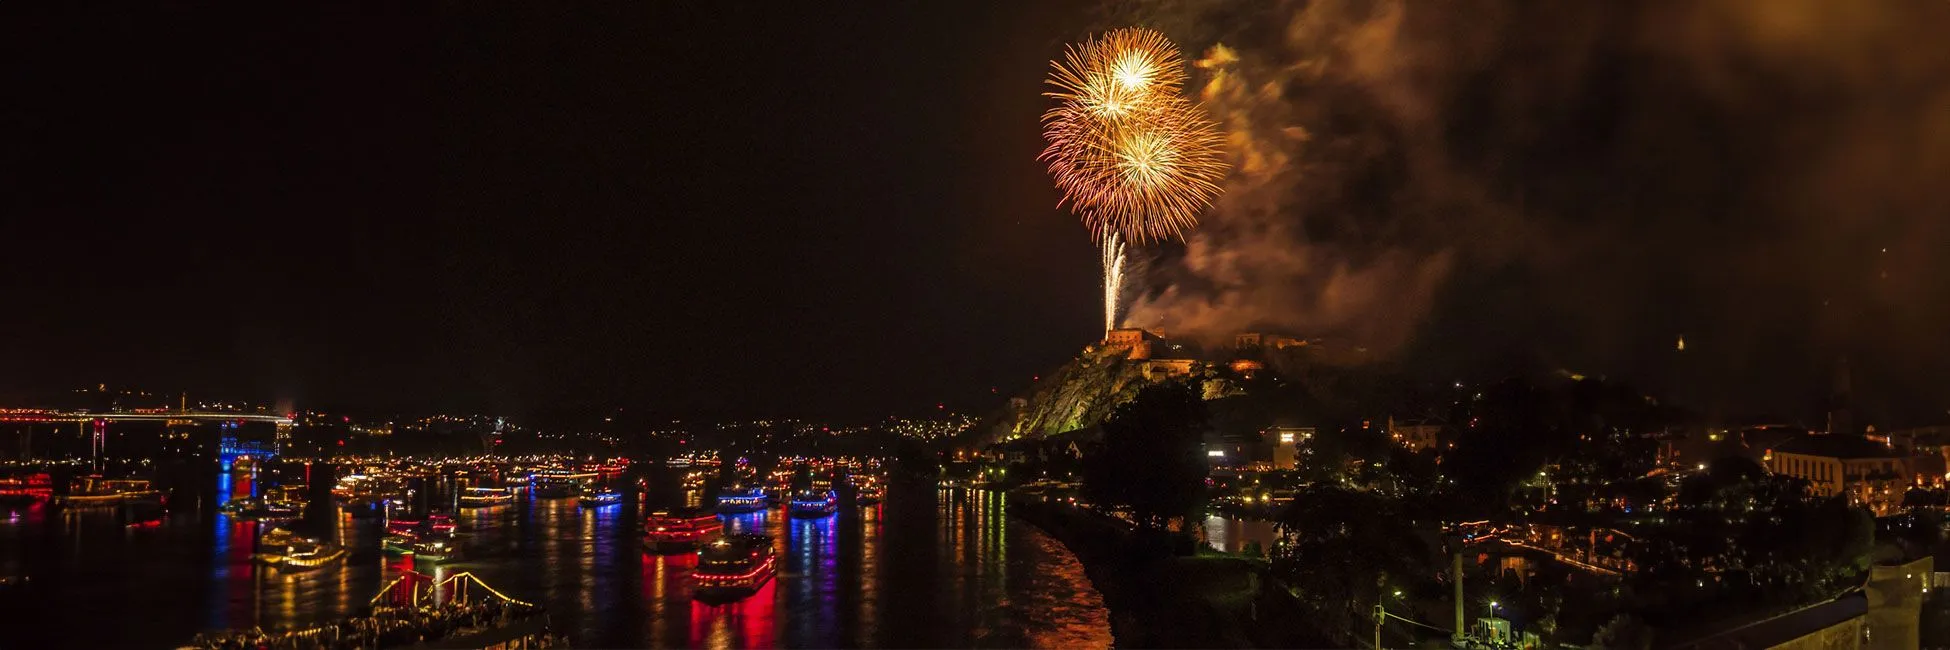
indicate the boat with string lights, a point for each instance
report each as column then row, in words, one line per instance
column 733, row 567
column 560, row 483
column 289, row 551
column 814, row 503
column 97, row 491
column 738, row 500
column 259, row 508
column 416, row 611
column 26, row 490
column 483, row 497
column 679, row 530
column 600, row 498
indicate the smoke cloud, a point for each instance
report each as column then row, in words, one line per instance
column 1587, row 179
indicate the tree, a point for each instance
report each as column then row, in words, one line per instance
column 1342, row 549
column 1150, row 459
column 1624, row 632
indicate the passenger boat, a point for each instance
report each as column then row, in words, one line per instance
column 286, row 550
column 680, row 530
column 556, row 483
column 814, row 503
column 440, row 524
column 480, row 497
column 290, row 496
column 436, row 548
column 870, row 494
column 399, row 542
column 258, row 508
column 600, row 498
column 735, row 500
column 27, row 490
column 97, row 491
column 733, row 567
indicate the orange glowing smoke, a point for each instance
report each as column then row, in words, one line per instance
column 1133, row 158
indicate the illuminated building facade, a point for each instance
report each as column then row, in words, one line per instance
column 1871, row 474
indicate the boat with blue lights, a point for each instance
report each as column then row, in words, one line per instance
column 600, row 498
column 814, row 503
column 733, row 567
column 738, row 500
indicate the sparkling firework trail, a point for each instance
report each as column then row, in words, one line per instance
column 1113, row 252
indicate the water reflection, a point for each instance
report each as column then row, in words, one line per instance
column 926, row 568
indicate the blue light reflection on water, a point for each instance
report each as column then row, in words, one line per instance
column 923, row 569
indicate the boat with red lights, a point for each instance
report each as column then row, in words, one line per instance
column 26, row 490
column 679, row 530
column 733, row 567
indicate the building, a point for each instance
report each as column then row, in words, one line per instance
column 1871, row 474
column 1162, row 369
column 1138, row 342
column 1416, row 435
column 1286, row 445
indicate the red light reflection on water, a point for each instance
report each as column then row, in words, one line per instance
column 748, row 623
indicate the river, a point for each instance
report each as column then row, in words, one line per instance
column 926, row 568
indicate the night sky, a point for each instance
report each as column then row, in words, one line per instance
column 834, row 209
column 777, row 209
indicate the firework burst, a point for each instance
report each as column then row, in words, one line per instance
column 1133, row 158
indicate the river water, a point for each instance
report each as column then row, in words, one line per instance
column 927, row 568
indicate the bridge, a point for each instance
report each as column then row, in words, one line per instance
column 230, row 448
column 48, row 415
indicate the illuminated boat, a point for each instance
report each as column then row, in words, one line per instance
column 814, row 503
column 258, row 508
column 20, row 491
column 556, row 483
column 398, row 543
column 870, row 494
column 289, row 496
column 736, row 500
column 481, row 497
column 436, row 548
column 733, row 567
column 97, row 491
column 399, row 525
column 600, row 498
column 680, row 530
column 286, row 550
column 440, row 524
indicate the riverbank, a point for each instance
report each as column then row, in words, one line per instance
column 1208, row 600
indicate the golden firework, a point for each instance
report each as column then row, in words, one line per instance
column 1132, row 157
